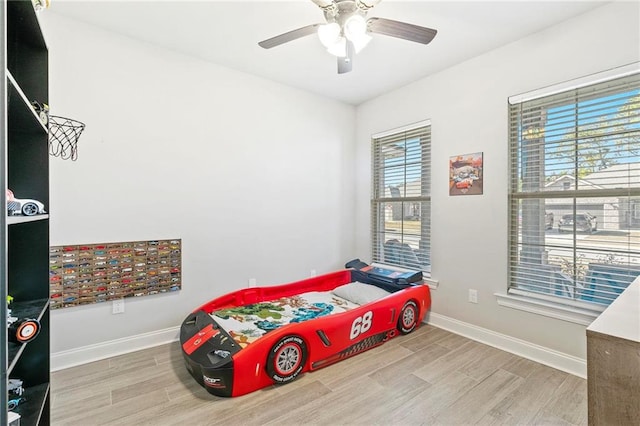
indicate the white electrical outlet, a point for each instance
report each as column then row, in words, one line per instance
column 473, row 296
column 118, row 306
column 252, row 282
column 313, row 273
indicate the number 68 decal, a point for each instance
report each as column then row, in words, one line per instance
column 361, row 325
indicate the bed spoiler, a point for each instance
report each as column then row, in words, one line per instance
column 386, row 277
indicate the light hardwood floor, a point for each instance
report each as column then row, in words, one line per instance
column 428, row 377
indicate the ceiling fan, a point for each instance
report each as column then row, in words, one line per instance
column 347, row 30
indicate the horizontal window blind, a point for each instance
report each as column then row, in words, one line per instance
column 575, row 192
column 401, row 202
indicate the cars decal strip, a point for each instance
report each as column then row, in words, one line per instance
column 361, row 346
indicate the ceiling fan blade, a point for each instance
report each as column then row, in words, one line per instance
column 289, row 36
column 345, row 64
column 401, row 30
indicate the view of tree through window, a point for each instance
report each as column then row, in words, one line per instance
column 574, row 192
column 401, row 204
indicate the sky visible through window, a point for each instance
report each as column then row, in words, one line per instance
column 597, row 122
column 402, row 164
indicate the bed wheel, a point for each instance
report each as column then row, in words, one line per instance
column 408, row 319
column 286, row 359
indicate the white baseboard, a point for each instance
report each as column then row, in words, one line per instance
column 99, row 351
column 558, row 360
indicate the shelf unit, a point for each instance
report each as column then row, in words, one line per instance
column 24, row 251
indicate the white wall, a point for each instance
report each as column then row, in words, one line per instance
column 255, row 177
column 258, row 179
column 467, row 105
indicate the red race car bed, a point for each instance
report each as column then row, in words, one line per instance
column 255, row 337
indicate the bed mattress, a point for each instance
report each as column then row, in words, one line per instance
column 248, row 323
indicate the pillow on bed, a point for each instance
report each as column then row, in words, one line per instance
column 360, row 293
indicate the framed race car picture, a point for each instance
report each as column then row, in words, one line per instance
column 465, row 174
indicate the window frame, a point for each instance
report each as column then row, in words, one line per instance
column 382, row 196
column 572, row 310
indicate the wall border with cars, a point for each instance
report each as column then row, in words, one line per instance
column 82, row 274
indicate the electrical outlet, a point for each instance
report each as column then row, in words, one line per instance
column 252, row 282
column 473, row 296
column 313, row 273
column 118, row 306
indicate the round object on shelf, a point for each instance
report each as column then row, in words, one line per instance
column 24, row 330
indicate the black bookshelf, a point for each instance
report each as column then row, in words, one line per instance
column 25, row 240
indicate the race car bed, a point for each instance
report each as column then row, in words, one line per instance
column 255, row 337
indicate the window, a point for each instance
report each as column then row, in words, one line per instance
column 574, row 187
column 401, row 204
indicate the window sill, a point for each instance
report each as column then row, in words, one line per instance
column 433, row 284
column 529, row 303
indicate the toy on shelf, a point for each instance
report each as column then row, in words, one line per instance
column 38, row 5
column 15, row 388
column 23, row 330
column 15, row 392
column 42, row 110
column 10, row 319
column 23, row 206
column 13, row 403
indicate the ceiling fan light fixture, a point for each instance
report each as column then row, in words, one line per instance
column 367, row 4
column 355, row 29
column 355, row 26
column 329, row 34
column 339, row 48
column 360, row 42
column 347, row 30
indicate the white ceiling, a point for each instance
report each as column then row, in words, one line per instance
column 227, row 33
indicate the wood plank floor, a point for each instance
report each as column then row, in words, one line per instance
column 429, row 377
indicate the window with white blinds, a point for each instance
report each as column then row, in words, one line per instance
column 575, row 193
column 401, row 204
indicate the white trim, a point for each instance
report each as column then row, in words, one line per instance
column 587, row 308
column 558, row 360
column 547, row 308
column 433, row 284
column 99, row 351
column 577, row 83
column 406, row 128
